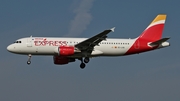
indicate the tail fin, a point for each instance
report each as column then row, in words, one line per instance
column 154, row 31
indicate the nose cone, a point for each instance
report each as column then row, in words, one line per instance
column 10, row 48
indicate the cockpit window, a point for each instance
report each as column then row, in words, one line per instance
column 17, row 42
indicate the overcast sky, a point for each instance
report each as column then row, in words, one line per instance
column 151, row 76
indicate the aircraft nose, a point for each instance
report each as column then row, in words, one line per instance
column 10, row 48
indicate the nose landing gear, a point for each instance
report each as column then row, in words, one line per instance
column 29, row 59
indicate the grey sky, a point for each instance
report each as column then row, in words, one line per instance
column 152, row 76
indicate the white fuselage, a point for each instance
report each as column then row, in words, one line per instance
column 47, row 46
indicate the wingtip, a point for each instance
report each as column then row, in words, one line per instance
column 112, row 29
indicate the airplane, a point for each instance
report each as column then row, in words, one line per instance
column 66, row 50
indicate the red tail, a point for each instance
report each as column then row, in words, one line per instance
column 154, row 31
column 151, row 34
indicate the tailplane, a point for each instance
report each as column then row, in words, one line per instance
column 154, row 31
column 158, row 42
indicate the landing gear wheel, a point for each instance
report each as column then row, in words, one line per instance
column 29, row 59
column 82, row 65
column 86, row 59
column 28, row 62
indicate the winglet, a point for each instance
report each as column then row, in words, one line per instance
column 112, row 29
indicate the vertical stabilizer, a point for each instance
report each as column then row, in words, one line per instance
column 150, row 38
column 154, row 31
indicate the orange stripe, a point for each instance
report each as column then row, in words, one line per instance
column 158, row 18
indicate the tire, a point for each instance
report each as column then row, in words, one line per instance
column 82, row 65
column 86, row 60
column 28, row 62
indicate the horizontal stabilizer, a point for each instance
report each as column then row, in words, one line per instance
column 158, row 42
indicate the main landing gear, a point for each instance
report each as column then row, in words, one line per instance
column 83, row 65
column 86, row 59
column 29, row 59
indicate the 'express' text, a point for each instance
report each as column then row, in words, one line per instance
column 50, row 43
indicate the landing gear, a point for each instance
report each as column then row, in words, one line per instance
column 86, row 59
column 83, row 61
column 29, row 59
column 28, row 62
column 82, row 65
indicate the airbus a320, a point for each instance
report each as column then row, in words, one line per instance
column 67, row 50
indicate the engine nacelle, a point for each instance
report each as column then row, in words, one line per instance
column 60, row 60
column 64, row 50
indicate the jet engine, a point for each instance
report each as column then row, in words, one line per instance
column 60, row 60
column 64, row 50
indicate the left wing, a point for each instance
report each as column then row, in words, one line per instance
column 88, row 45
